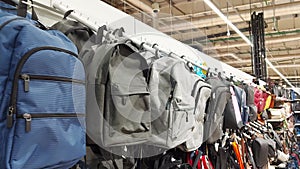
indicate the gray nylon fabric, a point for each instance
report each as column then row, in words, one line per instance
column 202, row 94
column 250, row 102
column 118, row 97
column 79, row 37
column 129, row 105
column 213, row 124
column 172, row 105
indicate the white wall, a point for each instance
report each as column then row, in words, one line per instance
column 98, row 13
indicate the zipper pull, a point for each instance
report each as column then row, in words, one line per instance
column 123, row 100
column 27, row 118
column 26, row 79
column 9, row 117
column 187, row 117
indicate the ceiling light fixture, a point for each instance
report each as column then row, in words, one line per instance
column 221, row 15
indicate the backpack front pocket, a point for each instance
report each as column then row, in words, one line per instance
column 182, row 117
column 128, row 114
column 50, row 118
column 50, row 133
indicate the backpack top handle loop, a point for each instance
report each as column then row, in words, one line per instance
column 22, row 10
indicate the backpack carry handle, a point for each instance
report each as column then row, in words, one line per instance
column 89, row 30
column 22, row 10
column 67, row 13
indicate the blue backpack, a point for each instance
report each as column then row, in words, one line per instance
column 42, row 97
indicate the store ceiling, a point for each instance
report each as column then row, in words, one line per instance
column 194, row 23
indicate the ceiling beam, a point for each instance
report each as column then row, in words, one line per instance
column 214, row 20
column 271, row 40
column 173, row 5
column 205, row 13
column 232, row 55
column 248, row 68
column 139, row 4
column 273, row 59
column 288, row 77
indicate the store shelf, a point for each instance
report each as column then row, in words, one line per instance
column 276, row 120
column 297, row 124
column 297, row 112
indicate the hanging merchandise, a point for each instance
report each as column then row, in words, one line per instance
column 78, row 33
column 236, row 150
column 214, row 118
column 139, row 98
column 174, row 92
column 42, row 119
column 259, row 99
column 224, row 110
column 250, row 102
column 118, row 95
column 242, row 102
column 260, row 152
column 176, row 95
column 232, row 112
column 172, row 159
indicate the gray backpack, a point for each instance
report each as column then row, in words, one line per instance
column 173, row 92
column 250, row 102
column 220, row 94
column 118, row 99
column 201, row 91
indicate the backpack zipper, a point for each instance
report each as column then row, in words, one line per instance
column 196, row 84
column 28, row 117
column 198, row 95
column 27, row 77
column 14, row 93
column 218, row 99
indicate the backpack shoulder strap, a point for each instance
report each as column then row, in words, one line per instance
column 22, row 10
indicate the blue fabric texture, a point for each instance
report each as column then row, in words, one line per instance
column 56, row 141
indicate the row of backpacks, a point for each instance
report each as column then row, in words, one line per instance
column 141, row 98
column 133, row 98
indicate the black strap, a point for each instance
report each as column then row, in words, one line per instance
column 164, row 162
column 10, row 2
column 155, row 44
column 197, row 159
column 22, row 10
column 156, row 164
column 141, row 46
column 67, row 14
column 207, row 72
column 100, row 34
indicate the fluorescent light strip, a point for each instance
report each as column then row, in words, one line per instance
column 221, row 15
